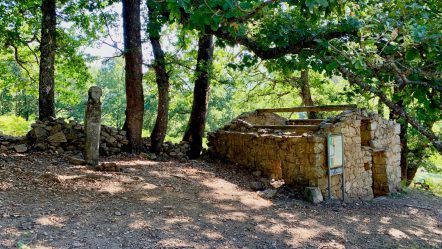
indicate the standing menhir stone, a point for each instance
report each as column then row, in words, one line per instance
column 92, row 126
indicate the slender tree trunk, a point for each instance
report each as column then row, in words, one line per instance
column 305, row 93
column 403, row 139
column 404, row 153
column 162, row 79
column 134, row 74
column 26, row 104
column 46, row 99
column 195, row 131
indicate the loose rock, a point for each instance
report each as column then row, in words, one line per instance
column 21, row 148
column 313, row 195
column 268, row 193
column 76, row 161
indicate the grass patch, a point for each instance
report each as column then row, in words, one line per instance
column 13, row 125
column 433, row 180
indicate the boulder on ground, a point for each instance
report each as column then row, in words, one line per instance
column 313, row 195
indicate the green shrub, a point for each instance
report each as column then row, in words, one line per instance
column 432, row 180
column 13, row 125
column 435, row 185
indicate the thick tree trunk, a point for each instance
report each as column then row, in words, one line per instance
column 411, row 172
column 46, row 99
column 162, row 79
column 134, row 74
column 305, row 93
column 195, row 131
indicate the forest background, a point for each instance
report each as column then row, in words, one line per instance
column 90, row 52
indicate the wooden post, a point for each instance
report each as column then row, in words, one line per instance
column 325, row 108
column 93, row 126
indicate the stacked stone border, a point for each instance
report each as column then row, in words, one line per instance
column 59, row 136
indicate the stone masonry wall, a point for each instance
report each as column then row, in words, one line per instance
column 276, row 156
column 386, row 153
column 371, row 153
column 358, row 173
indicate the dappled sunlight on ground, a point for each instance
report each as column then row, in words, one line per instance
column 8, row 236
column 385, row 220
column 226, row 191
column 397, row 234
column 195, row 205
column 51, row 220
column 5, row 185
column 112, row 188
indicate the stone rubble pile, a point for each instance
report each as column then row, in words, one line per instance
column 9, row 143
column 169, row 151
column 246, row 121
column 59, row 136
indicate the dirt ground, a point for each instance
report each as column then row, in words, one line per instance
column 47, row 203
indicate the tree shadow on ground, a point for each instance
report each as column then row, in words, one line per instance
column 191, row 205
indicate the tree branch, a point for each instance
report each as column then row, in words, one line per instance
column 354, row 79
column 405, row 81
column 265, row 53
column 20, row 62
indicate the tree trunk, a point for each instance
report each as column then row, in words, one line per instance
column 26, row 105
column 305, row 93
column 162, row 79
column 404, row 153
column 134, row 74
column 195, row 131
column 404, row 149
column 47, row 60
column 411, row 172
column 403, row 139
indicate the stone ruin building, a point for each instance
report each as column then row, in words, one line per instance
column 295, row 150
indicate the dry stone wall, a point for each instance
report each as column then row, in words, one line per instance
column 371, row 152
column 386, row 152
column 358, row 175
column 276, row 156
column 59, row 136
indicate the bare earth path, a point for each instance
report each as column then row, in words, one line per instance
column 191, row 205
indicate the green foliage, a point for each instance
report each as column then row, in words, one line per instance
column 110, row 77
column 13, row 125
column 431, row 180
